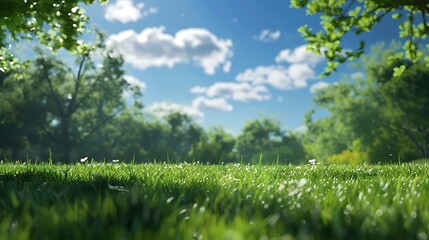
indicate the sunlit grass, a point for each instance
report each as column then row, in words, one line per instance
column 192, row 201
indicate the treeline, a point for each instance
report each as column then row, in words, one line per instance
column 52, row 109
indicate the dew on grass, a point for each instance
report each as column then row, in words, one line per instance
column 301, row 182
column 379, row 212
column 169, row 200
column 182, row 211
column 202, row 209
column 413, row 214
column 117, row 188
column 197, row 236
column 348, row 209
column 422, row 236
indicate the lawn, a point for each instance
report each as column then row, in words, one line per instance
column 194, row 201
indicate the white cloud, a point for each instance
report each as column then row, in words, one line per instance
column 227, row 67
column 301, row 129
column 220, row 104
column 198, row 90
column 317, row 86
column 298, row 55
column 267, row 35
column 162, row 109
column 133, row 81
column 293, row 77
column 150, row 11
column 155, row 48
column 243, row 92
column 125, row 11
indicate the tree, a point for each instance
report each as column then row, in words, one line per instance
column 407, row 105
column 265, row 138
column 215, row 147
column 380, row 118
column 55, row 23
column 341, row 17
column 128, row 137
column 76, row 103
column 182, row 137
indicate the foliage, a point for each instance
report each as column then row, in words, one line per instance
column 264, row 140
column 120, row 201
column 386, row 115
column 347, row 157
column 407, row 105
column 215, row 147
column 67, row 105
column 339, row 18
column 56, row 24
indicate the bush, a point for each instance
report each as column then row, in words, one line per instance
column 348, row 157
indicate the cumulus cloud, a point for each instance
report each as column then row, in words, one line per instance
column 301, row 129
column 267, row 35
column 154, row 48
column 125, row 11
column 162, row 109
column 317, row 86
column 227, row 67
column 220, row 104
column 242, row 92
column 133, row 81
column 293, row 77
column 150, row 11
column 198, row 90
column 298, row 55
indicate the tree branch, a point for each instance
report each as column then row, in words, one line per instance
column 71, row 109
column 53, row 94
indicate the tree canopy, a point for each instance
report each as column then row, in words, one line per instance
column 64, row 105
column 54, row 23
column 378, row 118
column 340, row 17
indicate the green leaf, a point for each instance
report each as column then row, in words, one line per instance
column 396, row 15
column 398, row 71
column 355, row 12
column 361, row 45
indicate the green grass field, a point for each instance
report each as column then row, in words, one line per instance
column 192, row 201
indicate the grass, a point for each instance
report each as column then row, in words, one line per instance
column 193, row 201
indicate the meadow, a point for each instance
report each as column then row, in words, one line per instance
column 195, row 201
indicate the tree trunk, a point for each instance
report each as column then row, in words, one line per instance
column 65, row 141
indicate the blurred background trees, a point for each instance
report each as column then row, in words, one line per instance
column 377, row 118
column 84, row 109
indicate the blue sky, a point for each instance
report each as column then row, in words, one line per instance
column 223, row 62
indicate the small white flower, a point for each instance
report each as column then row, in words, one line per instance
column 312, row 161
column 115, row 161
column 82, row 160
